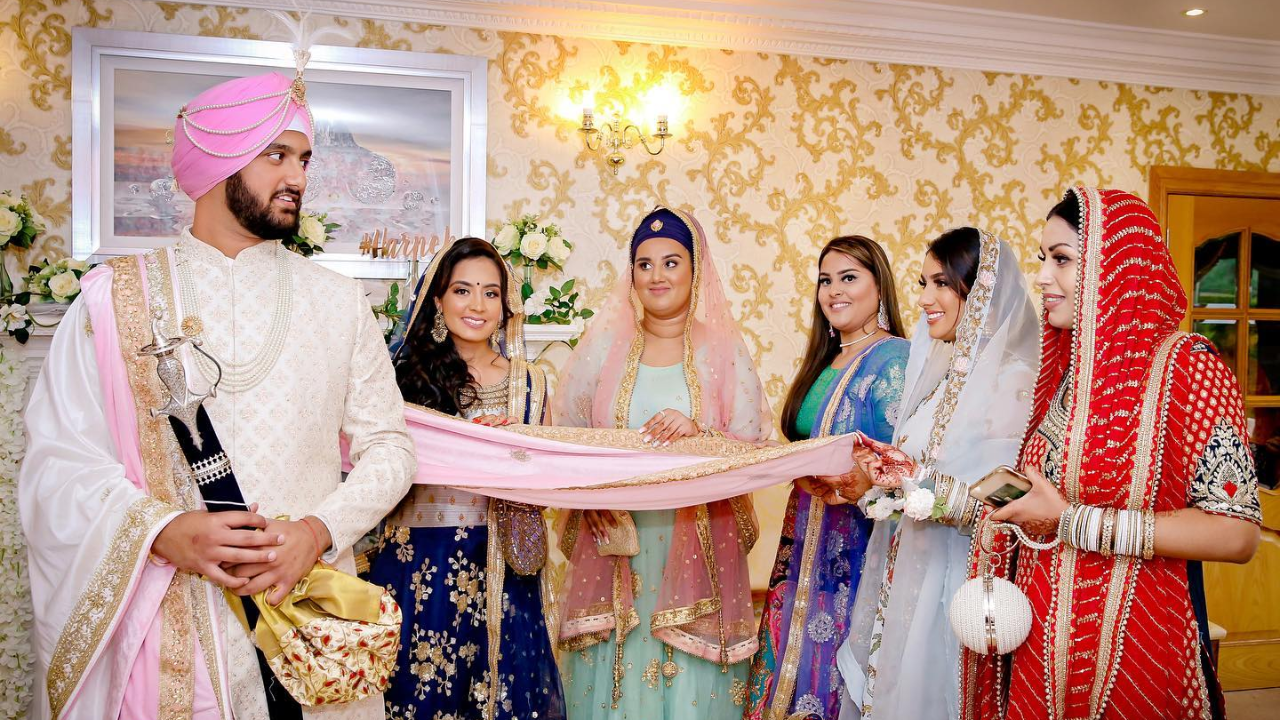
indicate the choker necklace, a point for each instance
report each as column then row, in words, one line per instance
column 855, row 342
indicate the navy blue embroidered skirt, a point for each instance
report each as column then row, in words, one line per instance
column 437, row 575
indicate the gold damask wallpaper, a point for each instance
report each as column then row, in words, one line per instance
column 774, row 154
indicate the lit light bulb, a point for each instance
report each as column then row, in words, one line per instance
column 662, row 106
column 1194, row 12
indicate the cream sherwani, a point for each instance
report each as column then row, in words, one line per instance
column 333, row 377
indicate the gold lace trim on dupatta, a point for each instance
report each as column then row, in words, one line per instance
column 790, row 664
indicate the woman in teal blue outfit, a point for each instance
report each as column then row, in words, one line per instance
column 850, row 380
column 656, row 623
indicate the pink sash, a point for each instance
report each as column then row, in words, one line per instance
column 587, row 468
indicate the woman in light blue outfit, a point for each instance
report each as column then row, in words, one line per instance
column 850, row 380
column 665, row 633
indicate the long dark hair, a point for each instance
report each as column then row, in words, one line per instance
column 823, row 348
column 958, row 251
column 434, row 374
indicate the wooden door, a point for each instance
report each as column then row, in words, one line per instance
column 1223, row 230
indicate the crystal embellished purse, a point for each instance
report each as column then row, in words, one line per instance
column 523, row 534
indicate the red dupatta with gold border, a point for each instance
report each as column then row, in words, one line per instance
column 1114, row 636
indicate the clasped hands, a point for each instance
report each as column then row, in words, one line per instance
column 244, row 551
column 875, row 464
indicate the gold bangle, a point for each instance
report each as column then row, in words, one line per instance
column 1148, row 534
column 1108, row 532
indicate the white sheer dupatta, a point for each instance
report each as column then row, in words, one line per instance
column 984, row 382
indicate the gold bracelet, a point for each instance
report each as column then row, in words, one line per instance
column 1108, row 532
column 1148, row 534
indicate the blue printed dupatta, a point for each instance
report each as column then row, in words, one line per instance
column 819, row 560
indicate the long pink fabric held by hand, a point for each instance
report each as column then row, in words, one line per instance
column 586, row 468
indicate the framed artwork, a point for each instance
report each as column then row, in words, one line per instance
column 399, row 148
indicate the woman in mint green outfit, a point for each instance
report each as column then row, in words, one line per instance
column 850, row 380
column 664, row 358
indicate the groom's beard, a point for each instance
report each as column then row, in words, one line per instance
column 257, row 216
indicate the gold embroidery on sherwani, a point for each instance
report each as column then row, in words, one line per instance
column 89, row 623
column 804, row 579
column 177, row 679
column 100, row 602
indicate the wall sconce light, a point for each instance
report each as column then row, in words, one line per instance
column 617, row 135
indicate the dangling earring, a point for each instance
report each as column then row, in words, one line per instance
column 496, row 340
column 438, row 331
column 883, row 319
column 831, row 332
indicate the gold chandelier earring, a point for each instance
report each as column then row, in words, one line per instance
column 438, row 330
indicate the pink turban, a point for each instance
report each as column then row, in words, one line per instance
column 225, row 127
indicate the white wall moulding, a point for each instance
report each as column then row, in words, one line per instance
column 870, row 30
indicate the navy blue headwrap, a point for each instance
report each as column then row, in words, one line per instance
column 662, row 223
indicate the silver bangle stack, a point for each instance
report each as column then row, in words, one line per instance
column 962, row 510
column 1109, row 531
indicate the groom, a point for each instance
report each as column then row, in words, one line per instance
column 128, row 566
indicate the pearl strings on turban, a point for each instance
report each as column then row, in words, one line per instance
column 221, row 131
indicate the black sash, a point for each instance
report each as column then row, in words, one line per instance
column 218, row 486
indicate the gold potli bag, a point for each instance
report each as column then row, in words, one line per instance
column 333, row 639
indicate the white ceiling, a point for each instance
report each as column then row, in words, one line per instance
column 1257, row 19
column 1235, row 47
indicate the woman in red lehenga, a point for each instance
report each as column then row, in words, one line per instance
column 1140, row 466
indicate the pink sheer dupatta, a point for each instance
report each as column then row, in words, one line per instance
column 704, row 603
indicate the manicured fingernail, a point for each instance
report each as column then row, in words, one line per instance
column 646, row 438
column 280, row 539
column 666, row 443
column 271, row 556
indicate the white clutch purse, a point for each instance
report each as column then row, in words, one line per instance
column 990, row 615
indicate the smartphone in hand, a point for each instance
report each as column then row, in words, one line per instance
column 1000, row 487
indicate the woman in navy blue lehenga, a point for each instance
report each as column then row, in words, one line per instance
column 443, row 549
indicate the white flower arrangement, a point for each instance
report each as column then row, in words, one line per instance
column 15, row 593
column 20, row 223
column 57, row 281
column 529, row 243
column 314, row 232
column 14, row 317
column 48, row 282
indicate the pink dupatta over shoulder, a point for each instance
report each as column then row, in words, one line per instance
column 704, row 607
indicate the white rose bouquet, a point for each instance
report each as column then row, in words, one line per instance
column 57, row 281
column 49, row 282
column 19, row 222
column 314, row 231
column 529, row 243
